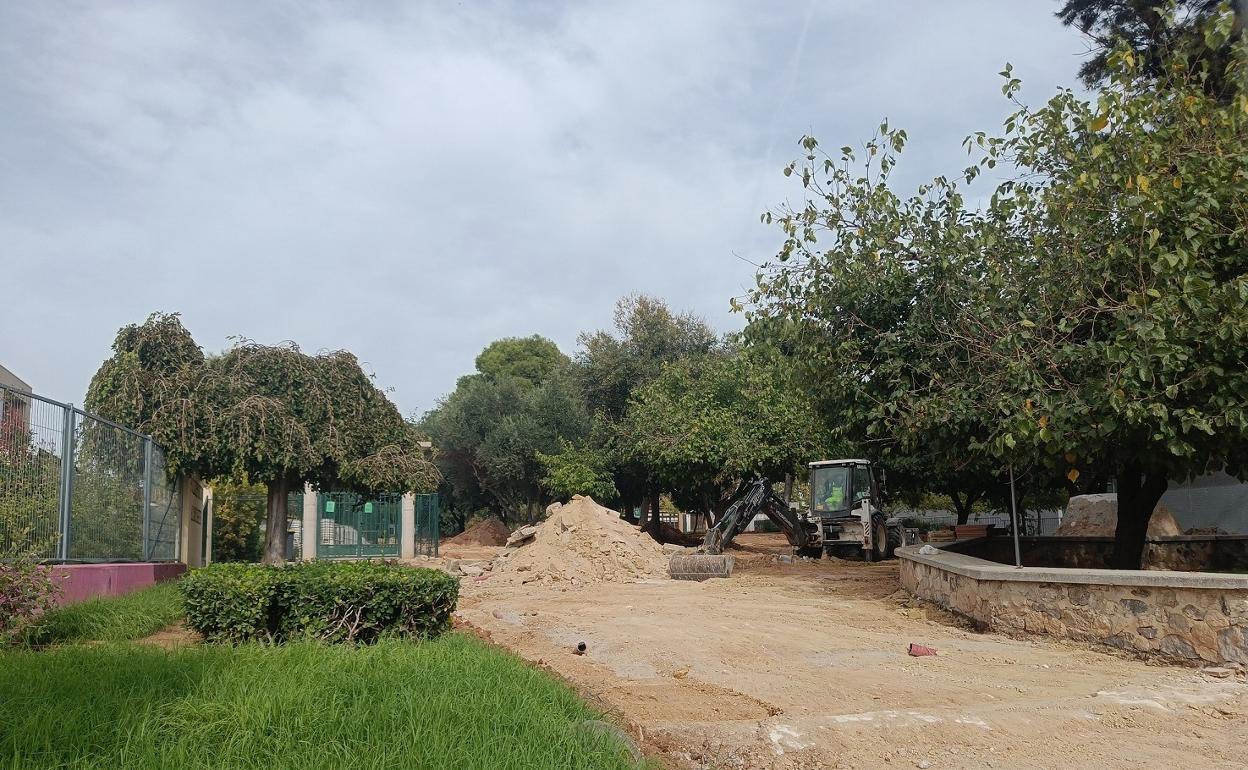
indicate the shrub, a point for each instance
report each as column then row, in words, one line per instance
column 27, row 591
column 336, row 602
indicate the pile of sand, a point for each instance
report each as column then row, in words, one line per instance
column 490, row 532
column 579, row 543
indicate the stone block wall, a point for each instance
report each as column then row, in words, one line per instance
column 1188, row 624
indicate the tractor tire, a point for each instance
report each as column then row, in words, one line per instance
column 879, row 540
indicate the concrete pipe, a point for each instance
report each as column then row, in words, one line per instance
column 699, row 566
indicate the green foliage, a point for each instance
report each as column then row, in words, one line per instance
column 271, row 413
column 647, row 335
column 111, row 619
column 530, row 360
column 27, row 591
column 29, row 497
column 490, row 431
column 1092, row 316
column 1151, row 31
column 238, row 511
column 328, row 601
column 719, row 419
column 451, row 704
column 578, row 470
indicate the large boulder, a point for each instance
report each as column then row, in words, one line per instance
column 1097, row 516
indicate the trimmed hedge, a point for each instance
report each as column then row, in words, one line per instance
column 331, row 601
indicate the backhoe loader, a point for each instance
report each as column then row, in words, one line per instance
column 844, row 517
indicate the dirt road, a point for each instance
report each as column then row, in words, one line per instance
column 805, row 666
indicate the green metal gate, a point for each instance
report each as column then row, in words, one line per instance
column 427, row 524
column 351, row 527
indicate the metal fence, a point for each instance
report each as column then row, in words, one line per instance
column 75, row 487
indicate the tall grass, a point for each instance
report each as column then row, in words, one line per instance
column 450, row 703
column 112, row 619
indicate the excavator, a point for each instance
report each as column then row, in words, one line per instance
column 844, row 517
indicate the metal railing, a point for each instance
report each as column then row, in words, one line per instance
column 75, row 487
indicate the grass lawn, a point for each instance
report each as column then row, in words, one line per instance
column 113, row 619
column 455, row 702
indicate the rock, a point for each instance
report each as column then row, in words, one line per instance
column 1178, row 647
column 923, row 764
column 1193, row 612
column 522, row 535
column 1097, row 516
column 1148, row 632
column 471, row 570
column 1233, row 644
column 1218, row 672
column 1134, row 606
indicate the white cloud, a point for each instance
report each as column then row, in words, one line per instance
column 413, row 181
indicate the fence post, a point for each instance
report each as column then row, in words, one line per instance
column 147, row 498
column 67, row 480
column 309, row 529
column 407, row 526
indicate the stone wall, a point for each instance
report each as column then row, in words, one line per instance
column 1186, row 553
column 1191, row 619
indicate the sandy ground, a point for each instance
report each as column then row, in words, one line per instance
column 805, row 666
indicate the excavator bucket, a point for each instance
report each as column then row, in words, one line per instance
column 699, row 566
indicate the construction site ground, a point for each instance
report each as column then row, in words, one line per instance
column 806, row 666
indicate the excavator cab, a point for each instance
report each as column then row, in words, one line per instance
column 846, row 509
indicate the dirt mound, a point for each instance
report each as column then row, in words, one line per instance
column 485, row 532
column 579, row 543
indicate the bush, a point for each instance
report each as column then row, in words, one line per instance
column 336, row 602
column 27, row 591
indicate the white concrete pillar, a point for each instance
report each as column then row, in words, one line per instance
column 407, row 527
column 310, row 535
column 190, row 533
column 208, row 525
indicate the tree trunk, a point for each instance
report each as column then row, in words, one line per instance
column 655, row 530
column 1138, row 494
column 963, row 509
column 275, row 521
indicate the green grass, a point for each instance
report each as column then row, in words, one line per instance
column 451, row 703
column 112, row 619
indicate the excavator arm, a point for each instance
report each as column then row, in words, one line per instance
column 757, row 498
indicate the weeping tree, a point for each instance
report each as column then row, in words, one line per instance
column 273, row 413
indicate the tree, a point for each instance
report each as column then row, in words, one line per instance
column 490, row 431
column 708, row 423
column 610, row 366
column 578, row 470
column 529, row 360
column 647, row 335
column 1152, row 32
column 1095, row 313
column 274, row 413
column 238, row 518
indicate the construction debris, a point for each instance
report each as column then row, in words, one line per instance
column 579, row 543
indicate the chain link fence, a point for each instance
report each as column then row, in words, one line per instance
column 75, row 487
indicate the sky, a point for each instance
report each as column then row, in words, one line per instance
column 412, row 180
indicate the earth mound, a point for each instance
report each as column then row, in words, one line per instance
column 489, row 531
column 583, row 542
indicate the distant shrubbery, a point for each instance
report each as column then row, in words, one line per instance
column 336, row 602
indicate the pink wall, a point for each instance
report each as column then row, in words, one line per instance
column 87, row 581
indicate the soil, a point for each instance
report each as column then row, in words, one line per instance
column 487, row 532
column 804, row 665
column 170, row 637
column 581, row 543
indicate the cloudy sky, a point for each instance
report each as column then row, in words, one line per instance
column 412, row 180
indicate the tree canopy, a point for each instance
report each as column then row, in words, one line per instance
column 270, row 412
column 529, row 360
column 1152, row 31
column 1093, row 315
